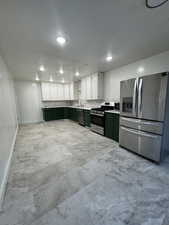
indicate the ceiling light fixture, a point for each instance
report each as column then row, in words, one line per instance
column 155, row 3
column 51, row 79
column 61, row 40
column 77, row 73
column 140, row 69
column 63, row 81
column 42, row 68
column 61, row 71
column 37, row 77
column 109, row 58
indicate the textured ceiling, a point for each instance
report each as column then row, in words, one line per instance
column 126, row 29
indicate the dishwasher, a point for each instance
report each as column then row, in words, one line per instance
column 81, row 118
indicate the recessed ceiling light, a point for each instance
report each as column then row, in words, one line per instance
column 61, row 40
column 61, row 71
column 42, row 68
column 140, row 69
column 63, row 81
column 77, row 73
column 51, row 79
column 109, row 58
column 37, row 77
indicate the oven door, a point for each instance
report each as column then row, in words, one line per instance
column 97, row 120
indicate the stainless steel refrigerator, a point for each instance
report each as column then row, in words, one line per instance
column 144, row 122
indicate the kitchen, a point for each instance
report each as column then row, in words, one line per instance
column 84, row 113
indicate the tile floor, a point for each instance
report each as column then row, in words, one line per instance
column 64, row 174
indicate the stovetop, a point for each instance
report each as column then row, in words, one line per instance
column 101, row 110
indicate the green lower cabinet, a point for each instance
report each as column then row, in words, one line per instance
column 112, row 126
column 53, row 113
column 75, row 115
column 72, row 114
column 87, row 118
column 66, row 113
column 69, row 113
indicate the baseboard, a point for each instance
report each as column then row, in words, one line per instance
column 31, row 122
column 5, row 180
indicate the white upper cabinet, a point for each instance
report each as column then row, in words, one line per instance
column 67, row 92
column 57, row 92
column 83, row 88
column 88, row 87
column 71, row 91
column 92, row 87
column 45, row 91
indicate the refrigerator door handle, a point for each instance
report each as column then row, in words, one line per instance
column 140, row 97
column 140, row 121
column 139, row 133
column 135, row 96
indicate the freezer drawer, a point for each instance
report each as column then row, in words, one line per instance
column 145, row 144
column 142, row 125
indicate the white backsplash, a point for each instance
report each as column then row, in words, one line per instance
column 56, row 103
column 89, row 103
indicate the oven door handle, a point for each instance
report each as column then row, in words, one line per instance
column 93, row 114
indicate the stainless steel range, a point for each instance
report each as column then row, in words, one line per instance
column 98, row 119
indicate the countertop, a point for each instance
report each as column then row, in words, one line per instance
column 80, row 107
column 61, row 106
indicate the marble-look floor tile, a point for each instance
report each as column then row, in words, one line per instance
column 63, row 174
column 109, row 201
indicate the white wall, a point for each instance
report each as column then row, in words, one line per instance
column 154, row 64
column 8, row 123
column 28, row 95
column 29, row 102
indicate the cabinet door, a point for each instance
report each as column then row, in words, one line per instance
column 45, row 91
column 66, row 92
column 66, row 113
column 59, row 113
column 71, row 91
column 116, row 127
column 108, row 125
column 87, row 117
column 94, row 86
column 83, row 88
column 112, row 126
column 88, row 88
column 53, row 92
column 60, row 92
